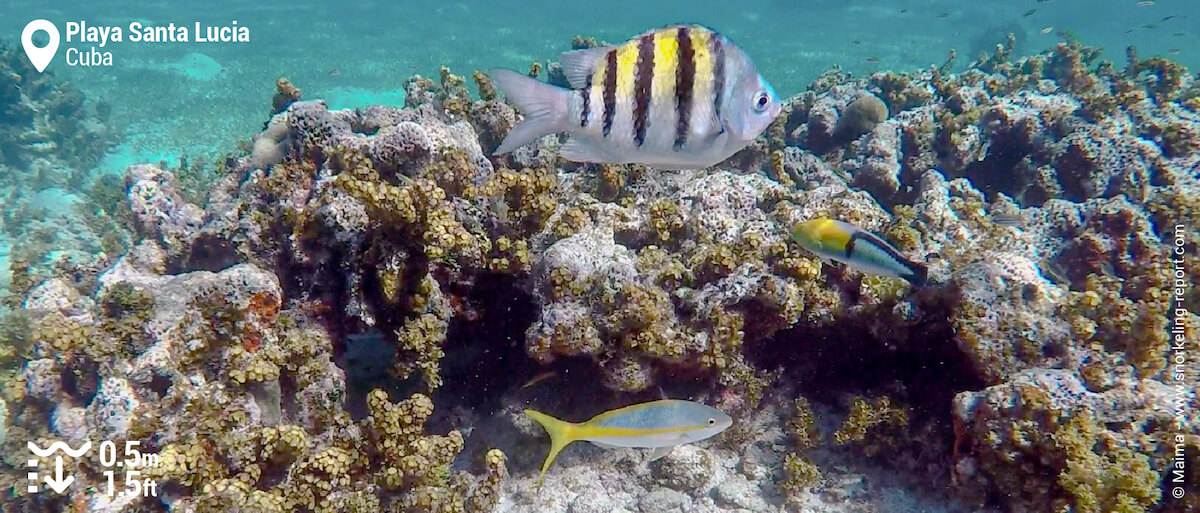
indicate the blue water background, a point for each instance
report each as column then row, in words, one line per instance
column 169, row 103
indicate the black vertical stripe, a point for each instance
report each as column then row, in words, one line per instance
column 610, row 89
column 850, row 243
column 718, row 53
column 685, row 78
column 587, row 101
column 642, row 84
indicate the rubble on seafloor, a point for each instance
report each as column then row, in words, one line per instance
column 1046, row 195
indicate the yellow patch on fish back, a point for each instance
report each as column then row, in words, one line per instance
column 587, row 431
column 666, row 65
column 600, row 68
column 829, row 233
column 627, row 58
column 702, row 89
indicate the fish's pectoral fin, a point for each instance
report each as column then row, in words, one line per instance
column 578, row 64
column 578, row 149
column 706, row 127
column 659, row 452
column 603, row 445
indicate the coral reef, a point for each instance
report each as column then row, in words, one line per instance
column 1048, row 196
column 44, row 118
column 51, row 136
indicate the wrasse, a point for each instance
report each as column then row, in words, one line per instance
column 660, row 425
column 679, row 97
column 843, row 242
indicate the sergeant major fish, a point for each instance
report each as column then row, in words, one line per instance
column 840, row 241
column 679, row 97
column 660, row 425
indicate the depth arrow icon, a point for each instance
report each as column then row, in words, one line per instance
column 59, row 484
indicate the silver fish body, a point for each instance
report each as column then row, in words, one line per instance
column 660, row 425
column 680, row 97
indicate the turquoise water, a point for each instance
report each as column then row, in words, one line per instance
column 164, row 111
column 198, row 109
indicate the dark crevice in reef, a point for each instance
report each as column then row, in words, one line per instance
column 485, row 359
column 287, row 394
column 999, row 171
column 81, row 380
column 322, row 280
column 485, row 346
column 211, row 253
column 924, row 370
column 159, row 384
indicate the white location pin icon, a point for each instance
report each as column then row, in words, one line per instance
column 40, row 57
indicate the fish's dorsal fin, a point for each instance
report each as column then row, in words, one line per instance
column 578, row 64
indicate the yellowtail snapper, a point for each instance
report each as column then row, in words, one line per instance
column 843, row 242
column 659, row 425
column 679, row 97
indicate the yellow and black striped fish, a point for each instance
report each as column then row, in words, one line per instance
column 679, row 97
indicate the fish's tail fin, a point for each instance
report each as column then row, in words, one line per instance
column 544, row 107
column 561, row 432
column 918, row 274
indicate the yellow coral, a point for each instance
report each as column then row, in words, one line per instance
column 64, row 334
column 572, row 221
column 665, row 219
column 253, row 366
column 801, row 474
column 878, row 419
column 421, row 340
column 409, row 455
column 1116, row 479
column 727, row 336
column 804, row 425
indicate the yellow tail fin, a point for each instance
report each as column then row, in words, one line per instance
column 561, row 432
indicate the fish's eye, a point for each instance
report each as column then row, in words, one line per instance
column 712, row 422
column 761, row 100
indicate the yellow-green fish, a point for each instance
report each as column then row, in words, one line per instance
column 679, row 97
column 840, row 241
column 660, row 425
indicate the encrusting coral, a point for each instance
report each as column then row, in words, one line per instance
column 221, row 339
